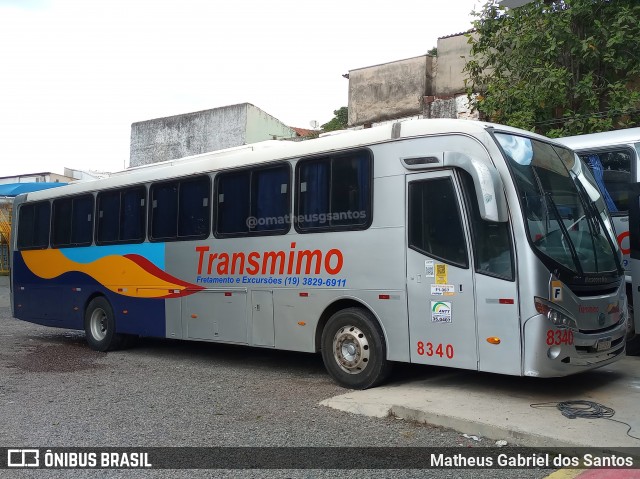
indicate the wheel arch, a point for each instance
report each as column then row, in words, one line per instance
column 91, row 297
column 338, row 305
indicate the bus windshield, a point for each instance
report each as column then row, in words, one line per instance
column 565, row 214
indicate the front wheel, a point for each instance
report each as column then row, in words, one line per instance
column 353, row 349
column 100, row 326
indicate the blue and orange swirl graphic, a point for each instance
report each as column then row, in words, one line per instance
column 128, row 274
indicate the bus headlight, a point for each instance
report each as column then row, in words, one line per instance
column 560, row 319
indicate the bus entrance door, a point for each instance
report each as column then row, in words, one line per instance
column 440, row 280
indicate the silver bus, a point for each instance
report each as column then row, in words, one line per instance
column 438, row 242
column 613, row 158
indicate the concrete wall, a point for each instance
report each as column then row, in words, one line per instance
column 391, row 90
column 262, row 126
column 448, row 75
column 422, row 87
column 178, row 136
column 451, row 107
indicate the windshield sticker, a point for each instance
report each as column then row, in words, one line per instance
column 440, row 312
column 429, row 268
column 441, row 274
column 443, row 290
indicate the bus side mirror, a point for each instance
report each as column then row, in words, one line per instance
column 487, row 183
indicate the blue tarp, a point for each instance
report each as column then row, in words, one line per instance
column 15, row 189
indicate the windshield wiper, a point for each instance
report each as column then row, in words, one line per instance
column 565, row 233
column 597, row 222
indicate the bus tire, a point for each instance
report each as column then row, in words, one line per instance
column 100, row 326
column 353, row 349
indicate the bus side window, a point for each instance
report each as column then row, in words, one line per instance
column 612, row 172
column 492, row 248
column 194, row 208
column 233, row 203
column 435, row 225
column 121, row 216
column 33, row 225
column 132, row 214
column 164, row 211
column 334, row 193
column 253, row 201
column 72, row 223
column 270, row 198
column 180, row 209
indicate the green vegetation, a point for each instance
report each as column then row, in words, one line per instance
column 339, row 121
column 558, row 67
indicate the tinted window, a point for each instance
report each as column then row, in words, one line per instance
column 253, row 202
column 270, row 198
column 121, row 216
column 334, row 192
column 164, row 211
column 492, row 249
column 193, row 216
column 33, row 225
column 435, row 226
column 612, row 172
column 180, row 209
column 61, row 225
column 72, row 223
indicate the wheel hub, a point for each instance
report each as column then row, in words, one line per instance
column 351, row 349
column 98, row 324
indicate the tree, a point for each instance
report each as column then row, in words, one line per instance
column 339, row 121
column 558, row 67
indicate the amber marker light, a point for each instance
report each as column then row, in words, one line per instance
column 493, row 340
column 302, row 323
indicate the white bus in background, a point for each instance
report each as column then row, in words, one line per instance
column 438, row 242
column 613, row 158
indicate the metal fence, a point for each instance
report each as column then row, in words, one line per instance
column 6, row 205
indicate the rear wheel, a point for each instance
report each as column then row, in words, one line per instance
column 100, row 326
column 353, row 349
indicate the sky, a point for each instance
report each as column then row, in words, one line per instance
column 75, row 74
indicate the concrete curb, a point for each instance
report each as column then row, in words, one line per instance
column 499, row 407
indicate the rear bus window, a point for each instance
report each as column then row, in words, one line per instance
column 33, row 225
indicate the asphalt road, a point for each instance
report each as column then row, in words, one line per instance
column 56, row 392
